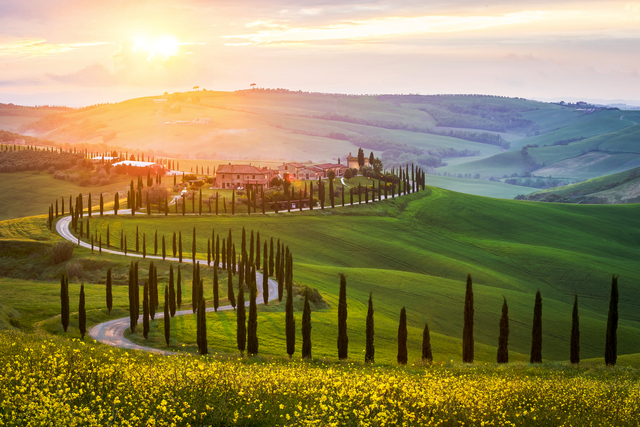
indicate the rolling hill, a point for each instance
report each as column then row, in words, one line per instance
column 415, row 252
column 622, row 187
column 453, row 134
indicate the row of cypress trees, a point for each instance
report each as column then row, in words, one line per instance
column 64, row 302
column 536, row 332
column 408, row 182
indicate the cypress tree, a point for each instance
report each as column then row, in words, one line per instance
column 230, row 295
column 216, row 301
column 306, row 327
column 243, row 246
column 265, row 278
column 193, row 246
column 202, row 329
column 217, row 254
column 467, row 329
column 133, row 315
column 241, row 333
column 278, row 276
column 503, row 340
column 89, row 205
column 116, row 204
column 172, row 293
column 144, row 245
column 271, row 259
column 427, row 357
column 82, row 314
column 175, row 246
column 252, row 332
column 536, row 333
column 290, row 323
column 164, row 249
column 179, row 288
column 369, row 354
column 343, row 340
column 258, row 250
column 224, row 254
column 233, row 259
column 108, row 237
column 208, row 252
column 153, row 290
column 402, row 338
column 575, row 333
column 101, row 205
column 251, row 250
column 167, row 319
column 64, row 302
column 109, row 291
column 195, row 283
column 611, row 343
column 145, row 311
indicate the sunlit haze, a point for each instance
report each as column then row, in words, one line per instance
column 80, row 53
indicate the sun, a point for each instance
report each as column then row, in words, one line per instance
column 165, row 46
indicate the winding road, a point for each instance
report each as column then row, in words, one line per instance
column 112, row 332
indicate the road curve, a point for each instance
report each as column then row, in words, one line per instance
column 112, row 332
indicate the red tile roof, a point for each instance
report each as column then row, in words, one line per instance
column 240, row 169
column 329, row 165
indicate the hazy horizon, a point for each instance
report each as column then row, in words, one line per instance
column 74, row 53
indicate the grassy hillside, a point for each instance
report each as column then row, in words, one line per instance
column 31, row 193
column 623, row 187
column 584, row 146
column 417, row 253
column 268, row 125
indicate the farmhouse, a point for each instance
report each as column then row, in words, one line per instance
column 352, row 161
column 336, row 167
column 301, row 171
column 236, row 176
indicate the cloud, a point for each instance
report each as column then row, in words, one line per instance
column 132, row 65
column 38, row 47
column 21, row 82
column 384, row 27
column 94, row 75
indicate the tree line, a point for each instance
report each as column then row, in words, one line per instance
column 282, row 270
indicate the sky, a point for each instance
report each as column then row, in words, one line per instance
column 83, row 52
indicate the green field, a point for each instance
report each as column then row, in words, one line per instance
column 31, row 193
column 416, row 251
column 622, row 187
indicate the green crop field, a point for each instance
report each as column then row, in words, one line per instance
column 416, row 251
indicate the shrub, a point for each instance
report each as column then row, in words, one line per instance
column 61, row 252
column 75, row 269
